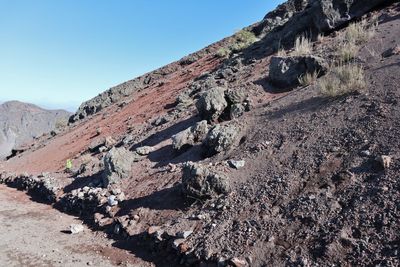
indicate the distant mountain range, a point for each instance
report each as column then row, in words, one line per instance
column 21, row 122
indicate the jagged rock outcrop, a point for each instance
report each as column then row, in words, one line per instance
column 117, row 165
column 221, row 138
column 200, row 182
column 190, row 136
column 212, row 104
column 286, row 71
column 311, row 17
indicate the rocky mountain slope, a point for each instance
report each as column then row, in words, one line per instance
column 21, row 122
column 277, row 146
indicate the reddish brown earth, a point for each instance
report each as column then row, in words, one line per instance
column 148, row 104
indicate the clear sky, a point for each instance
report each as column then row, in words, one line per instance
column 59, row 53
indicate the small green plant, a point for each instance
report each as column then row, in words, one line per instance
column 243, row 39
column 223, row 52
column 342, row 79
column 240, row 41
column 308, row 79
column 302, row 46
column 68, row 165
column 61, row 124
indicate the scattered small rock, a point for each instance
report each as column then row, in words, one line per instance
column 144, row 150
column 111, row 201
column 76, row 228
column 184, row 234
column 365, row 153
column 392, row 51
column 237, row 262
column 237, row 164
column 385, row 161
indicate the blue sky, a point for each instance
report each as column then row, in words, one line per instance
column 60, row 53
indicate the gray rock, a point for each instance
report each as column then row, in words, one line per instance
column 177, row 243
column 236, row 96
column 111, row 201
column 144, row 150
column 117, row 165
column 76, row 228
column 297, row 17
column 190, row 136
column 200, row 182
column 212, row 104
column 385, row 161
column 285, row 71
column 237, row 110
column 184, row 234
column 221, row 138
column 237, row 164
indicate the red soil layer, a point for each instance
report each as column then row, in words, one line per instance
column 147, row 104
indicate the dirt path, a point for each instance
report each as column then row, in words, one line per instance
column 32, row 234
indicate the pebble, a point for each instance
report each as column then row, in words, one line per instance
column 237, row 164
column 185, row 234
column 366, row 153
column 76, row 228
column 111, row 201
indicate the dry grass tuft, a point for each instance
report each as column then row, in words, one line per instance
column 359, row 32
column 308, row 79
column 240, row 41
column 302, row 46
column 342, row 79
column 354, row 35
column 347, row 51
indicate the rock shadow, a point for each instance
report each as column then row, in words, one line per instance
column 167, row 133
column 311, row 104
column 167, row 155
column 81, row 182
column 165, row 199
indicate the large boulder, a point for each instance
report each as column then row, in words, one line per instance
column 200, row 182
column 212, row 103
column 238, row 102
column 285, row 71
column 298, row 17
column 221, row 138
column 191, row 135
column 117, row 165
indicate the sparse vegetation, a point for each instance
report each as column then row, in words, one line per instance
column 302, row 46
column 351, row 39
column 308, row 79
column 359, row 32
column 342, row 79
column 240, row 41
column 347, row 51
column 243, row 39
column 61, row 124
column 223, row 52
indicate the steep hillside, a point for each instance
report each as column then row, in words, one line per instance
column 277, row 146
column 21, row 122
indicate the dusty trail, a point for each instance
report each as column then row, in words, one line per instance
column 31, row 234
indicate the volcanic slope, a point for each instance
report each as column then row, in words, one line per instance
column 210, row 161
